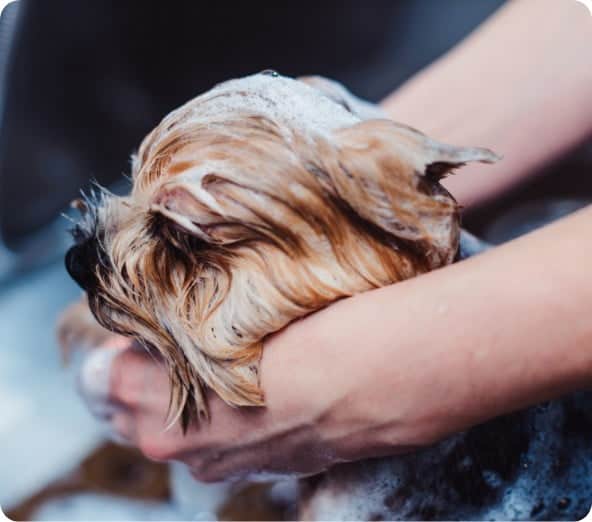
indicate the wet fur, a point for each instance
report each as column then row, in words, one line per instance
column 240, row 221
column 243, row 218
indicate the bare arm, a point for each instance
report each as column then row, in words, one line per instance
column 441, row 352
column 520, row 85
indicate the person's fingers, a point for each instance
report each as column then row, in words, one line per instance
column 131, row 390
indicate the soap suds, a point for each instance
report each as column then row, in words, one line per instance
column 310, row 112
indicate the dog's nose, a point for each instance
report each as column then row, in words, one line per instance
column 81, row 264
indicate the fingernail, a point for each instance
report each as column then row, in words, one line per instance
column 94, row 379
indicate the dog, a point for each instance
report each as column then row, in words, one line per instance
column 259, row 202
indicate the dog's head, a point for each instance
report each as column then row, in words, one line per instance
column 256, row 203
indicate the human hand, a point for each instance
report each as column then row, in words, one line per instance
column 322, row 406
column 129, row 388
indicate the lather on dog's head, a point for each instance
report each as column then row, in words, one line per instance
column 254, row 204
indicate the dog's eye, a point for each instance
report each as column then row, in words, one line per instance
column 80, row 263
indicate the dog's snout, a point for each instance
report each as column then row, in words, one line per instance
column 81, row 264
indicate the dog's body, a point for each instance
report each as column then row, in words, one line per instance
column 254, row 204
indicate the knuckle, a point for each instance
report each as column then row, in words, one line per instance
column 158, row 447
column 154, row 449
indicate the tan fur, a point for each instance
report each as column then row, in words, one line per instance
column 244, row 218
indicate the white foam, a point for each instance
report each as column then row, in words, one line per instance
column 290, row 103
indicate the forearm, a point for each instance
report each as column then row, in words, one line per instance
column 408, row 364
column 520, row 85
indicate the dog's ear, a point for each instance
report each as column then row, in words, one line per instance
column 388, row 174
column 192, row 207
column 177, row 203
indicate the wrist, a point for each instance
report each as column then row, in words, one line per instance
column 383, row 394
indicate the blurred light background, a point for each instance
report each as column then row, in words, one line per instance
column 81, row 83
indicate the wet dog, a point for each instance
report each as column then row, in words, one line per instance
column 252, row 205
column 257, row 203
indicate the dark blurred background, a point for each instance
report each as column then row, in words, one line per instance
column 81, row 83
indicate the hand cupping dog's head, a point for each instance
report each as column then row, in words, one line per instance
column 252, row 205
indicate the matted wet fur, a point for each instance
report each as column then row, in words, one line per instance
column 266, row 199
column 254, row 204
